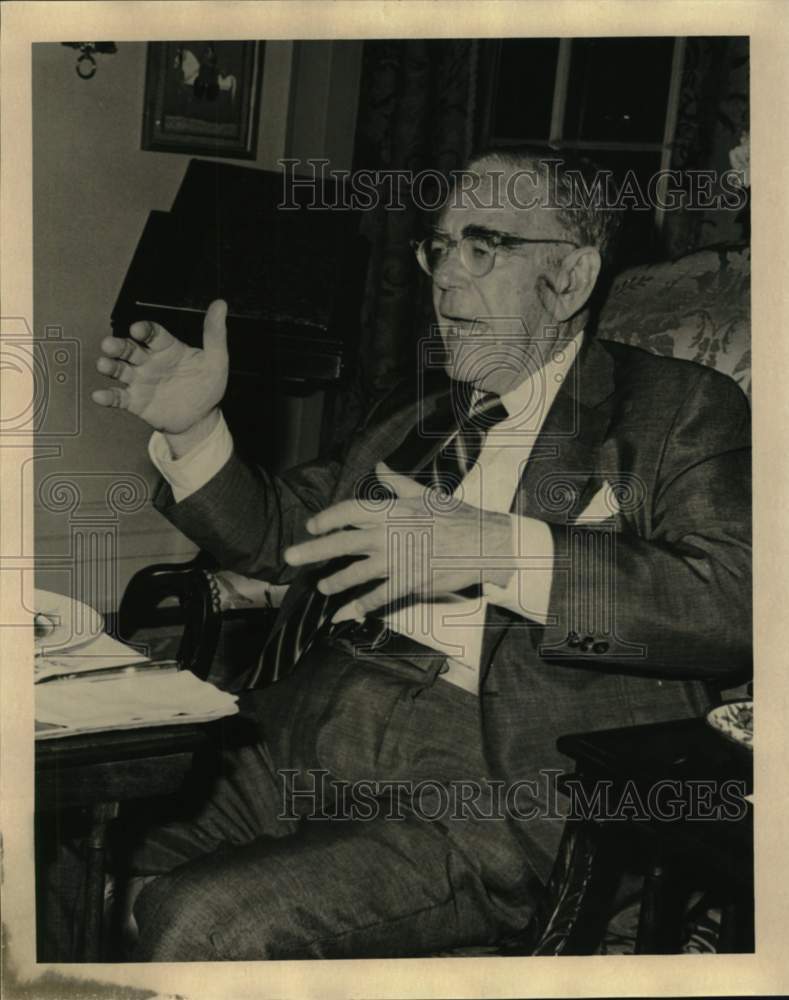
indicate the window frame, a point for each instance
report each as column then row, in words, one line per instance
column 559, row 109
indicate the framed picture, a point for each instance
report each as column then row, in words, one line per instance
column 203, row 98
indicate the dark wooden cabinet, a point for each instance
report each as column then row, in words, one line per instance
column 288, row 261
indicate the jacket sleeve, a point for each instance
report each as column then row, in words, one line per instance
column 246, row 517
column 674, row 599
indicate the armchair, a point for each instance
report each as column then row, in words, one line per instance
column 697, row 307
column 192, row 608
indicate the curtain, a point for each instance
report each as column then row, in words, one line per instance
column 416, row 113
column 712, row 116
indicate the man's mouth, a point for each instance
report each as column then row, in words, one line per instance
column 461, row 326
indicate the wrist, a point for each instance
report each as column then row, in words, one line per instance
column 497, row 544
column 185, row 441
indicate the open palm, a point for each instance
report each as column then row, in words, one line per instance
column 167, row 384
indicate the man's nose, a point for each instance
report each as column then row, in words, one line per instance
column 450, row 272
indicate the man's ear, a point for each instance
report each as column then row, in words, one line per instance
column 574, row 282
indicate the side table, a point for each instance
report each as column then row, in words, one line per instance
column 672, row 794
column 100, row 771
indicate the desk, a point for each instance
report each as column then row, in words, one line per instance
column 101, row 770
column 709, row 837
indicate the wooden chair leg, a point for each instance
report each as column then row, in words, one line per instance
column 648, row 938
column 660, row 920
column 102, row 814
column 737, row 927
column 579, row 893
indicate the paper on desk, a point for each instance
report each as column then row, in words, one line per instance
column 128, row 701
column 100, row 653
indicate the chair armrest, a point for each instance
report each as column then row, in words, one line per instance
column 140, row 604
column 198, row 609
column 244, row 593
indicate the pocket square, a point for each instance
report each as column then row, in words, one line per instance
column 602, row 507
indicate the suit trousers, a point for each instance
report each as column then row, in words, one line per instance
column 343, row 833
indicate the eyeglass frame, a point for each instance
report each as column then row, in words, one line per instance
column 496, row 239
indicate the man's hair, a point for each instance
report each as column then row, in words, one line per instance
column 578, row 189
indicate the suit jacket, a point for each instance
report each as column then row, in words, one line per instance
column 648, row 611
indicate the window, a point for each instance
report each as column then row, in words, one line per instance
column 615, row 99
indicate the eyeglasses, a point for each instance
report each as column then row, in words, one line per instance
column 477, row 250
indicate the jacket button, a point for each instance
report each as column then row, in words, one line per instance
column 587, row 644
column 573, row 639
column 600, row 647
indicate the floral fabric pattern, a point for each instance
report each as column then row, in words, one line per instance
column 697, row 308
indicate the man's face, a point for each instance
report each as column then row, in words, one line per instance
column 492, row 325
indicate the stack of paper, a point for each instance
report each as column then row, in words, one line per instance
column 101, row 653
column 127, row 700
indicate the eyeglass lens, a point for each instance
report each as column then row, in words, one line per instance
column 476, row 254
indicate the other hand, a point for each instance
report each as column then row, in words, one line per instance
column 167, row 384
column 413, row 546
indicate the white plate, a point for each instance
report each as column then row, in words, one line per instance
column 734, row 720
column 74, row 623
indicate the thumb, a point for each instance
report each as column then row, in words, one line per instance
column 401, row 486
column 215, row 329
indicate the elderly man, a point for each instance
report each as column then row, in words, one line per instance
column 556, row 538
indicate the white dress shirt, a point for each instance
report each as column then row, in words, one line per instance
column 449, row 623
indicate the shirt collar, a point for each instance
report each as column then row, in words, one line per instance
column 545, row 382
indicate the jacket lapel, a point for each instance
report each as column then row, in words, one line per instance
column 563, row 471
column 426, row 438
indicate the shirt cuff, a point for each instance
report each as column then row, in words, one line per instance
column 528, row 592
column 188, row 474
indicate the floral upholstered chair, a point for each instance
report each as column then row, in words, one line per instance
column 697, row 308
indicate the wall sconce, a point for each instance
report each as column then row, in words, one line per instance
column 86, row 64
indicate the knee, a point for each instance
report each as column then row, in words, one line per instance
column 176, row 920
column 235, row 905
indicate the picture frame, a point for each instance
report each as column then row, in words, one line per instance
column 203, row 97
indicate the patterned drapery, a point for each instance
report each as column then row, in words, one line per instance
column 416, row 113
column 713, row 114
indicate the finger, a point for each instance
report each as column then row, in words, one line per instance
column 348, row 513
column 116, row 369
column 356, row 610
column 361, row 571
column 215, row 329
column 111, row 397
column 153, row 336
column 402, row 486
column 347, row 613
column 125, row 349
column 341, row 543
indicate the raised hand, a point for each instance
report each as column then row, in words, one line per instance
column 170, row 386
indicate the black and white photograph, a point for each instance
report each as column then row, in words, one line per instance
column 382, row 430
column 203, row 97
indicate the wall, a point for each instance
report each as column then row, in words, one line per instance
column 92, row 190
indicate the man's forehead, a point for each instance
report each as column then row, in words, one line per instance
column 489, row 199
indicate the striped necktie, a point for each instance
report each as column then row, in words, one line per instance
column 454, row 453
column 444, row 465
